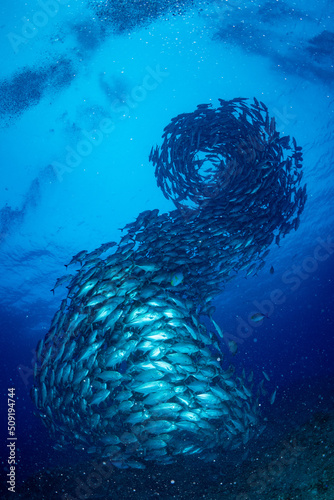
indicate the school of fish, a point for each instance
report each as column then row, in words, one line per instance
column 129, row 370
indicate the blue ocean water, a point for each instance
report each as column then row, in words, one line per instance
column 86, row 91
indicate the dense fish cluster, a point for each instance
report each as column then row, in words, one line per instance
column 28, row 86
column 232, row 156
column 128, row 369
column 123, row 16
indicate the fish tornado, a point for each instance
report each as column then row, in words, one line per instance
column 129, row 370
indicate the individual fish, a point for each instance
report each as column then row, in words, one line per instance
column 187, row 426
column 218, row 391
column 143, row 319
column 208, row 399
column 152, row 374
column 218, row 329
column 99, row 397
column 110, row 439
column 86, row 287
column 79, row 375
column 108, row 307
column 177, row 278
column 163, row 395
column 77, row 258
column 135, row 464
column 137, row 417
column 160, row 335
column 112, row 376
column 273, row 397
column 185, row 347
column 164, row 366
column 159, row 426
column 84, row 387
column 88, row 350
column 61, row 281
column 96, row 299
column 233, row 347
column 155, row 444
column 155, row 386
column 166, row 409
column 190, row 416
column 179, row 358
column 257, row 317
column 115, row 358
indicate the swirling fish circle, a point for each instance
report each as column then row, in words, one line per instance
column 223, row 154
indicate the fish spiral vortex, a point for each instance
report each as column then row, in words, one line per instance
column 129, row 370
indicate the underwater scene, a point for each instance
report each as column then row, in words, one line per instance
column 167, row 249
